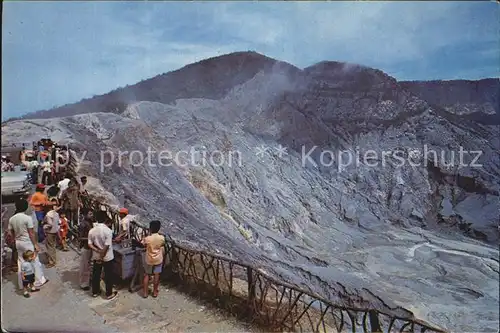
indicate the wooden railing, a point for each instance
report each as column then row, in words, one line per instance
column 18, row 145
column 256, row 296
column 265, row 300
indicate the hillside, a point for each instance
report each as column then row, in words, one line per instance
column 421, row 233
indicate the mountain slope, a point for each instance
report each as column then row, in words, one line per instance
column 419, row 235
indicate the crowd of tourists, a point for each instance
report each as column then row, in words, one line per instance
column 46, row 163
column 58, row 213
column 7, row 164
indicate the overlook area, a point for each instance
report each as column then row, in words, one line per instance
column 418, row 237
column 172, row 311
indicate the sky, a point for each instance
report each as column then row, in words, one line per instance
column 54, row 53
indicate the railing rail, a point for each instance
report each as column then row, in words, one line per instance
column 250, row 292
column 27, row 145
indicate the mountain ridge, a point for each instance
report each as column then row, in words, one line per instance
column 245, row 63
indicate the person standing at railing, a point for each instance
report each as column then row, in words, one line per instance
column 101, row 243
column 155, row 252
column 63, row 184
column 124, row 231
column 71, row 202
column 86, row 224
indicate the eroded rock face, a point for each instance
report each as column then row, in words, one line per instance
column 418, row 233
column 478, row 100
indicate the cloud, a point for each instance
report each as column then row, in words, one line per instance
column 59, row 52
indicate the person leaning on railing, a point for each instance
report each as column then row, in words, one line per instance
column 124, row 226
column 155, row 254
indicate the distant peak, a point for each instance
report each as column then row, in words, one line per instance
column 345, row 70
column 335, row 65
column 239, row 56
column 489, row 80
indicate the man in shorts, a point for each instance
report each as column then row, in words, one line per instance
column 155, row 252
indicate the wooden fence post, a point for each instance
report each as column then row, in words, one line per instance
column 374, row 322
column 251, row 288
column 174, row 270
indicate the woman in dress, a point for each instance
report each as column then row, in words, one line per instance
column 21, row 229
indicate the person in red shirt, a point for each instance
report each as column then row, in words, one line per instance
column 38, row 201
column 63, row 230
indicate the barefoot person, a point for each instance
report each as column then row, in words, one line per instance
column 155, row 251
column 21, row 229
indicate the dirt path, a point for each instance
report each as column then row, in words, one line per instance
column 62, row 306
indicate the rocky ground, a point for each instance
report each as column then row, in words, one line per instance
column 60, row 306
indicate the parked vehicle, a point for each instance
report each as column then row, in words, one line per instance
column 16, row 184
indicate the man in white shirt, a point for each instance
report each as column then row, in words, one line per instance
column 33, row 164
column 46, row 172
column 33, row 167
column 63, row 184
column 100, row 241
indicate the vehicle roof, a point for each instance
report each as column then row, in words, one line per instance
column 14, row 175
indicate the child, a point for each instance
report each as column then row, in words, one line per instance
column 28, row 271
column 63, row 230
column 155, row 251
